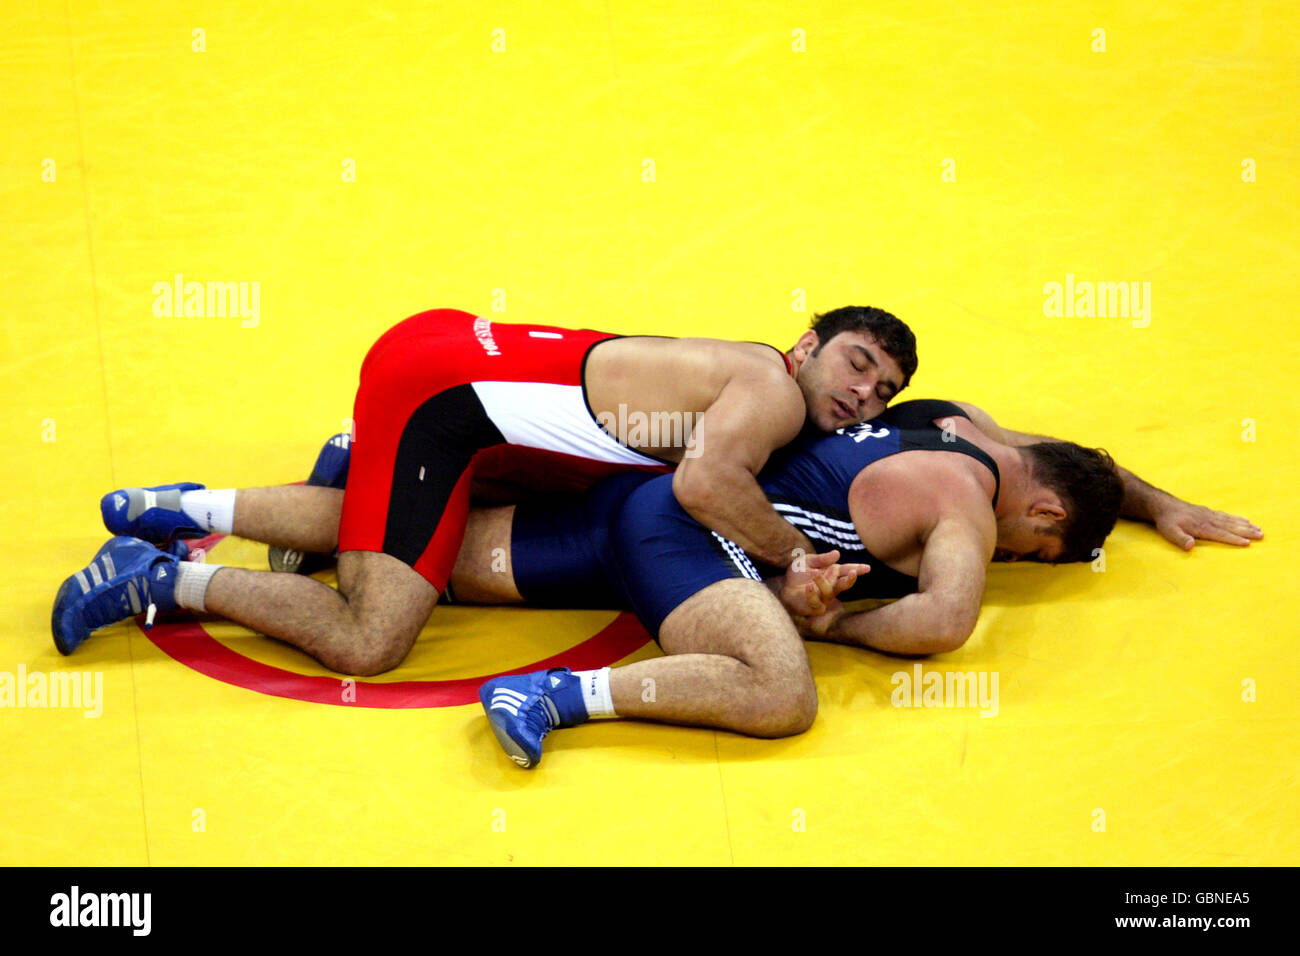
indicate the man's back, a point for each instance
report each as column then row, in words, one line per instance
column 649, row 392
column 873, row 491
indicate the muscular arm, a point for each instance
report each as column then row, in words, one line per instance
column 1178, row 521
column 942, row 614
column 752, row 416
column 940, row 507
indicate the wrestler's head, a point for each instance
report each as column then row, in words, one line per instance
column 851, row 363
column 1070, row 504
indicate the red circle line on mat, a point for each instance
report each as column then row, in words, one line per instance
column 186, row 641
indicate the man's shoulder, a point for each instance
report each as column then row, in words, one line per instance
column 719, row 356
column 754, row 356
column 921, row 488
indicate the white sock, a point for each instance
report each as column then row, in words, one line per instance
column 213, row 510
column 192, row 580
column 595, row 692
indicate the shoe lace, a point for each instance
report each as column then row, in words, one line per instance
column 152, row 609
column 542, row 716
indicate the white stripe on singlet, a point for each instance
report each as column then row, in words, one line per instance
column 842, row 534
column 738, row 557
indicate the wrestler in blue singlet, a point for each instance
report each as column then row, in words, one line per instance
column 628, row 543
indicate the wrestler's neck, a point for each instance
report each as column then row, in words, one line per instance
column 1015, row 485
column 1013, row 469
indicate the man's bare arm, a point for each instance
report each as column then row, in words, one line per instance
column 942, row 614
column 751, row 418
column 1178, row 521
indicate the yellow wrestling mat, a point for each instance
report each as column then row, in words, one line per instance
column 659, row 168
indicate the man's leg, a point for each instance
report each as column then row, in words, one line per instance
column 484, row 573
column 303, row 517
column 402, row 515
column 735, row 661
column 735, row 658
column 296, row 516
column 365, row 627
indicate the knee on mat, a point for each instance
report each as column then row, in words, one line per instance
column 371, row 656
column 787, row 708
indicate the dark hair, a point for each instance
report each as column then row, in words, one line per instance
column 891, row 332
column 1090, row 490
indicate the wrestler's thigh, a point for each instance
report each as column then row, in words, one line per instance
column 483, row 573
column 739, row 618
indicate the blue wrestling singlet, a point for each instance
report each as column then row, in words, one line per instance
column 651, row 555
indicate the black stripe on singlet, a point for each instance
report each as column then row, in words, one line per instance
column 438, row 441
column 919, row 433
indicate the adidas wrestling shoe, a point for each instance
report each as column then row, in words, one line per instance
column 151, row 514
column 330, row 471
column 126, row 576
column 524, row 708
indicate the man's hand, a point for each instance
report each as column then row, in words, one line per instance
column 1182, row 523
column 809, row 588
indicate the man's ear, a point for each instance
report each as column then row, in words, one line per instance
column 807, row 343
column 1048, row 505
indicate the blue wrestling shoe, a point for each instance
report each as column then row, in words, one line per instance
column 330, row 471
column 151, row 514
column 126, row 577
column 178, row 549
column 524, row 708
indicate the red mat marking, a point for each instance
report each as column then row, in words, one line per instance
column 185, row 640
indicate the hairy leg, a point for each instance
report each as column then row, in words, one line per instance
column 307, row 518
column 483, row 574
column 365, row 627
column 304, row 517
column 735, row 661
